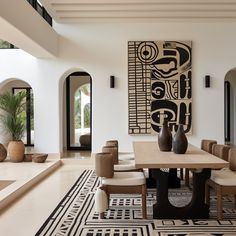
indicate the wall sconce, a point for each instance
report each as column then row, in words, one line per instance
column 207, row 81
column 112, row 81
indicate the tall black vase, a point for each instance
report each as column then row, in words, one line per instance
column 180, row 142
column 165, row 138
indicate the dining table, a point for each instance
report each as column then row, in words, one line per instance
column 148, row 155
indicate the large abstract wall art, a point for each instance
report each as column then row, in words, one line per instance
column 159, row 85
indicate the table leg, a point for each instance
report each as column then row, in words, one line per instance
column 173, row 179
column 150, row 181
column 196, row 209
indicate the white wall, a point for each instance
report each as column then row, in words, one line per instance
column 101, row 50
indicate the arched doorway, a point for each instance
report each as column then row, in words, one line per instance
column 15, row 86
column 79, row 111
column 230, row 107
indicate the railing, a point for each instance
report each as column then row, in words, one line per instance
column 41, row 10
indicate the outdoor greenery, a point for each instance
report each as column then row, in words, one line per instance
column 87, row 116
column 12, row 118
column 77, row 107
column 5, row 45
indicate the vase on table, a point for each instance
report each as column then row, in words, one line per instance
column 165, row 138
column 180, row 142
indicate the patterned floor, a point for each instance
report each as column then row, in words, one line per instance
column 75, row 215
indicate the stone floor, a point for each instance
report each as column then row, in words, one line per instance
column 25, row 215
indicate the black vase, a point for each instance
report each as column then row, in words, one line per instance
column 180, row 142
column 165, row 138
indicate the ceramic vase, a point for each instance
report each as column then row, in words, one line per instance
column 16, row 151
column 165, row 138
column 180, row 142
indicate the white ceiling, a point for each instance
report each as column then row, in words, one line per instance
column 72, row 11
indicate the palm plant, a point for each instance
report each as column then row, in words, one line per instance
column 13, row 105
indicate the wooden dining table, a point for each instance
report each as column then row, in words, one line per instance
column 148, row 155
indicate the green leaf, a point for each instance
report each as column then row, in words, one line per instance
column 13, row 105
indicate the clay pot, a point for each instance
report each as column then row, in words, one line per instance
column 3, row 152
column 16, row 150
column 28, row 157
column 165, row 138
column 180, row 142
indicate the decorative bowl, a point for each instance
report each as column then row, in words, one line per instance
column 39, row 157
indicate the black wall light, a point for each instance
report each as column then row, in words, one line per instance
column 207, row 81
column 112, row 81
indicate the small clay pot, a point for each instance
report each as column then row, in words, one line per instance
column 28, row 157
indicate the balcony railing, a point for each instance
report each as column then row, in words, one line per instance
column 41, row 10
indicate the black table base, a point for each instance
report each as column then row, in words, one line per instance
column 173, row 179
column 196, row 209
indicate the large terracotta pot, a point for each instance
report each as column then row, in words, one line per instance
column 16, row 150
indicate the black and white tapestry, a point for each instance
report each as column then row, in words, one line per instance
column 159, row 85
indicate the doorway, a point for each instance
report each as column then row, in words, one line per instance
column 230, row 107
column 79, row 111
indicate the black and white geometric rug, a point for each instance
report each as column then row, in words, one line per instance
column 75, row 215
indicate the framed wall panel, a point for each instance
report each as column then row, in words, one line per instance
column 159, row 85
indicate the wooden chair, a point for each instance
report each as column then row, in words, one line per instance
column 120, row 165
column 221, row 151
column 121, row 156
column 206, row 145
column 223, row 182
column 119, row 182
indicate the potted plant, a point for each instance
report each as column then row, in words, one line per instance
column 13, row 105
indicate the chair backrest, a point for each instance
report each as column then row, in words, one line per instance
column 112, row 143
column 232, row 159
column 221, row 151
column 104, row 166
column 206, row 145
column 114, row 151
